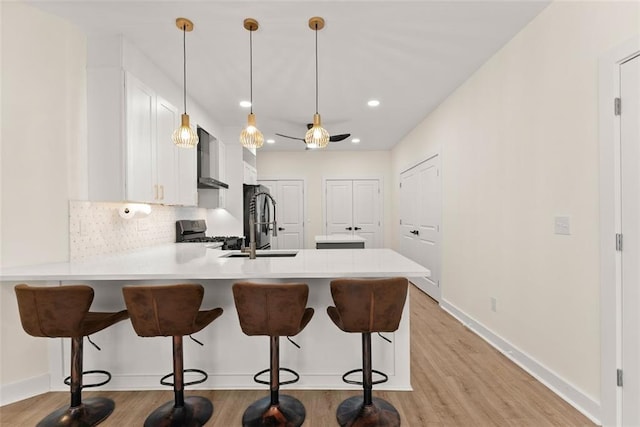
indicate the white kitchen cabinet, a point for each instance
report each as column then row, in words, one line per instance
column 250, row 174
column 131, row 155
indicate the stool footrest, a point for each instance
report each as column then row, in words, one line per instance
column 67, row 380
column 384, row 376
column 264, row 371
column 164, row 381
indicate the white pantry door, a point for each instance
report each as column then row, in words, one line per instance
column 630, row 167
column 289, row 196
column 353, row 207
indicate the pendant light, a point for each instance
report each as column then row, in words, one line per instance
column 251, row 137
column 184, row 136
column 317, row 136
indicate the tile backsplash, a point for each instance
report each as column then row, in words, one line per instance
column 96, row 228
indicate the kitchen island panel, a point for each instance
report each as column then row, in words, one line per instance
column 229, row 356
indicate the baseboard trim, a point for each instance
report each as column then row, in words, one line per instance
column 583, row 403
column 14, row 392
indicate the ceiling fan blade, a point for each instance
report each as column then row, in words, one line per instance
column 290, row 137
column 337, row 138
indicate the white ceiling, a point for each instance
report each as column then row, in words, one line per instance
column 410, row 55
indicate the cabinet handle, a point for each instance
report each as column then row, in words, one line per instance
column 416, row 232
column 348, row 228
column 281, row 228
column 357, row 228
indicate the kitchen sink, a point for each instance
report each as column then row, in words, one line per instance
column 262, row 254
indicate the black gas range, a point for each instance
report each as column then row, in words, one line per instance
column 193, row 230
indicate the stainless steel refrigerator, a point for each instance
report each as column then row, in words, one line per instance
column 263, row 215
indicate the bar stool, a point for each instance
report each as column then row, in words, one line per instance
column 63, row 312
column 365, row 306
column 273, row 310
column 174, row 311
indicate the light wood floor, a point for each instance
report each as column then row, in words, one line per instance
column 458, row 380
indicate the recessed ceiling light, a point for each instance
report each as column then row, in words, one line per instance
column 271, row 141
column 245, row 104
column 355, row 140
column 373, row 103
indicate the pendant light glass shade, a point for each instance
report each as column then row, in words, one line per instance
column 251, row 137
column 184, row 136
column 317, row 136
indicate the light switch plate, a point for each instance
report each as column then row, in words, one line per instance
column 562, row 225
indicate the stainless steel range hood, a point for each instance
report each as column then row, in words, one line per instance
column 208, row 161
column 208, row 182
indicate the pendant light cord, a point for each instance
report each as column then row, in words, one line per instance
column 251, row 68
column 316, row 31
column 184, row 63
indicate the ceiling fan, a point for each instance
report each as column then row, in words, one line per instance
column 332, row 138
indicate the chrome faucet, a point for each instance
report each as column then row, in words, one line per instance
column 253, row 222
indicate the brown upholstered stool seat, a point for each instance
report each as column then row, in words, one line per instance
column 63, row 312
column 273, row 310
column 365, row 306
column 174, row 311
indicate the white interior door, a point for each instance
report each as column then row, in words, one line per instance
column 630, row 166
column 428, row 215
column 420, row 207
column 339, row 209
column 366, row 211
column 408, row 212
column 289, row 196
column 353, row 207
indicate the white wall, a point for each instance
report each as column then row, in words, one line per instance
column 313, row 166
column 519, row 146
column 43, row 134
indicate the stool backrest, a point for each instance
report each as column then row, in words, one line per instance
column 163, row 310
column 53, row 311
column 369, row 305
column 272, row 309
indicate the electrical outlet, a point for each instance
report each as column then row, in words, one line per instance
column 494, row 304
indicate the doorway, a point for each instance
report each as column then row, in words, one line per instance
column 619, row 123
column 354, row 206
column 420, row 217
column 289, row 196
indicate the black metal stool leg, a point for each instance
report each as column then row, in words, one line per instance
column 367, row 410
column 276, row 410
column 80, row 413
column 192, row 411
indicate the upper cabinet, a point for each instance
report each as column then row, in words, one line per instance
column 131, row 154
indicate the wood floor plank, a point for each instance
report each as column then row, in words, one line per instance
column 458, row 380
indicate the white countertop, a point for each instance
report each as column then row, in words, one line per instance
column 196, row 261
column 340, row 238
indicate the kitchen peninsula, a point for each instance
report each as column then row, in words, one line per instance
column 228, row 356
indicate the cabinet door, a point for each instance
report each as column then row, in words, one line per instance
column 166, row 187
column 250, row 174
column 140, row 107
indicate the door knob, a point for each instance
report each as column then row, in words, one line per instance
column 348, row 228
column 280, row 228
column 357, row 228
